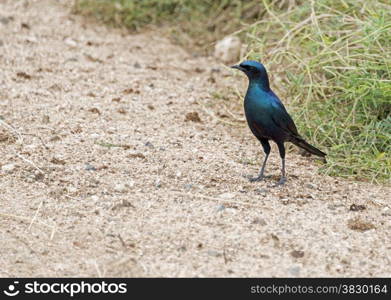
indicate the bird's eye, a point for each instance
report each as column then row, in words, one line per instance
column 245, row 67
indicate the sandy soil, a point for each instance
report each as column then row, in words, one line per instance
column 102, row 173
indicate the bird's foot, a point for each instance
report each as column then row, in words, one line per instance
column 258, row 178
column 281, row 181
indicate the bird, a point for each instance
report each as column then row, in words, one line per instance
column 268, row 119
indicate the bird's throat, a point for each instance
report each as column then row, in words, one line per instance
column 255, row 83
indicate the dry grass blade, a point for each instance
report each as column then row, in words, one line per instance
column 26, row 219
column 29, row 162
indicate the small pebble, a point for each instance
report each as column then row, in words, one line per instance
column 5, row 20
column 149, row 145
column 259, row 221
column 72, row 190
column 38, row 175
column 220, row 207
column 214, row 253
column 297, row 254
column 294, row 271
column 228, row 49
column 120, row 188
column 25, row 26
column 70, row 42
column 188, row 186
column 260, row 191
column 89, row 167
column 8, row 168
column 310, row 186
column 31, row 39
column 356, row 207
column 94, row 198
column 158, row 183
column 227, row 195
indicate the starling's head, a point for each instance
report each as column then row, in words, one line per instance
column 255, row 72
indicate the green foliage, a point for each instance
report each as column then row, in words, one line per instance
column 209, row 19
column 337, row 64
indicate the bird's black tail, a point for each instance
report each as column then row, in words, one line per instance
column 311, row 149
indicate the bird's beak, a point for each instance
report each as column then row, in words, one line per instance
column 237, row 67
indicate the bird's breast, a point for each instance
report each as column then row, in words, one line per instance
column 255, row 109
column 258, row 115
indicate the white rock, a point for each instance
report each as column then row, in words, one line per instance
column 70, row 42
column 72, row 189
column 228, row 49
column 94, row 198
column 8, row 168
column 227, row 195
column 120, row 188
column 294, row 271
column 32, row 39
column 220, row 207
column 158, row 183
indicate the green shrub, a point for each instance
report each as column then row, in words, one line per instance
column 334, row 61
column 192, row 19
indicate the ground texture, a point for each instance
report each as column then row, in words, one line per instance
column 113, row 164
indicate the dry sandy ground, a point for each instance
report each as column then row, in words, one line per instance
column 101, row 174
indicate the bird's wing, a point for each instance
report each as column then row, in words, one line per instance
column 282, row 119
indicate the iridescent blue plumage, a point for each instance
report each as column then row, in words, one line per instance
column 267, row 117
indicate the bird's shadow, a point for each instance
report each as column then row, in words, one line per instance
column 271, row 180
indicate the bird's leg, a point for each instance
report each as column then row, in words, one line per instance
column 283, row 177
column 261, row 173
column 281, row 149
column 266, row 149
